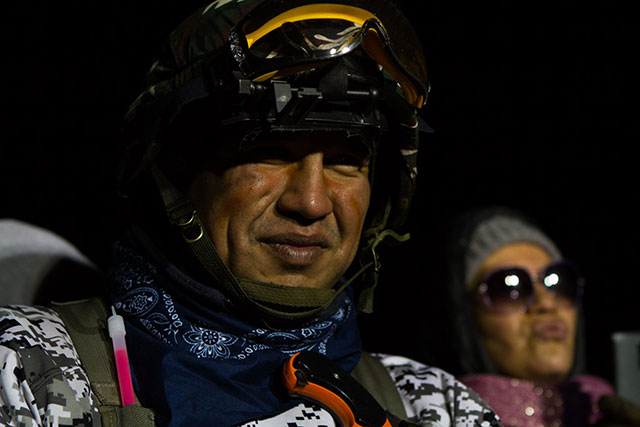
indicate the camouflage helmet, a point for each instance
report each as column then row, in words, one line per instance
column 240, row 68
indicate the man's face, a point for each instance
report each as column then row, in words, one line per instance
column 286, row 210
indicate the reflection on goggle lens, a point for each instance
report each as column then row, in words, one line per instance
column 312, row 34
column 319, row 37
column 512, row 289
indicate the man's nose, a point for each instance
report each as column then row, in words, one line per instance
column 307, row 194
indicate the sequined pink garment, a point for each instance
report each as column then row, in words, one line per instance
column 525, row 404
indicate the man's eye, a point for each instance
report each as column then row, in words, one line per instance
column 350, row 165
column 346, row 160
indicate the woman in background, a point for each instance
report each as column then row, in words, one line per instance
column 517, row 322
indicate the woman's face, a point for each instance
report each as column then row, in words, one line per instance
column 536, row 344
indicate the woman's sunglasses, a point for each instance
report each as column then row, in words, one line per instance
column 511, row 289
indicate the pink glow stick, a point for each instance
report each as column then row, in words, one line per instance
column 117, row 333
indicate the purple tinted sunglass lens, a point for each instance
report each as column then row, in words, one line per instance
column 564, row 279
column 508, row 289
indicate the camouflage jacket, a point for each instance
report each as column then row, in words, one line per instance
column 42, row 383
column 41, row 379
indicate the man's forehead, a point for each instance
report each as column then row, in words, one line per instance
column 316, row 140
column 229, row 149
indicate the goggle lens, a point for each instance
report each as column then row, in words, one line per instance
column 276, row 44
column 512, row 289
column 304, row 40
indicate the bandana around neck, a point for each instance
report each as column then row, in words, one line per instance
column 206, row 365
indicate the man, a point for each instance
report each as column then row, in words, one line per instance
column 279, row 138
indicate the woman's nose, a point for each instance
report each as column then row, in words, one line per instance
column 543, row 299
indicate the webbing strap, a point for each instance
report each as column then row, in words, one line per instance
column 127, row 416
column 375, row 378
column 86, row 323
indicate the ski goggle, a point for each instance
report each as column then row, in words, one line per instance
column 511, row 289
column 278, row 41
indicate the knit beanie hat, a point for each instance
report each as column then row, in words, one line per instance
column 497, row 231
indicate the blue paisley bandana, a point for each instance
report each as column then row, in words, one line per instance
column 200, row 363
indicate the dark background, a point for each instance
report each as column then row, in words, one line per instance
column 534, row 107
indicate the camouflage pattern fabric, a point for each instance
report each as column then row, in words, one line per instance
column 42, row 383
column 433, row 397
column 41, row 380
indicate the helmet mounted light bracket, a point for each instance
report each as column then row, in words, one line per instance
column 293, row 105
column 283, row 103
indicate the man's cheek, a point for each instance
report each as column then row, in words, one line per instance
column 358, row 204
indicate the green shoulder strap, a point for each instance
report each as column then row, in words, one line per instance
column 86, row 322
column 375, row 378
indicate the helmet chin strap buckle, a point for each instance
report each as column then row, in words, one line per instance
column 191, row 229
column 179, row 209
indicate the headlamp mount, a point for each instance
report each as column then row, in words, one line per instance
column 337, row 96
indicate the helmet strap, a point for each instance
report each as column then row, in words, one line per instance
column 374, row 236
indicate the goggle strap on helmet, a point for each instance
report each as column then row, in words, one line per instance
column 194, row 90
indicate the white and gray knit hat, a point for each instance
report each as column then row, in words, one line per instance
column 500, row 230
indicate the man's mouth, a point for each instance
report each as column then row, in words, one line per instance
column 296, row 250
